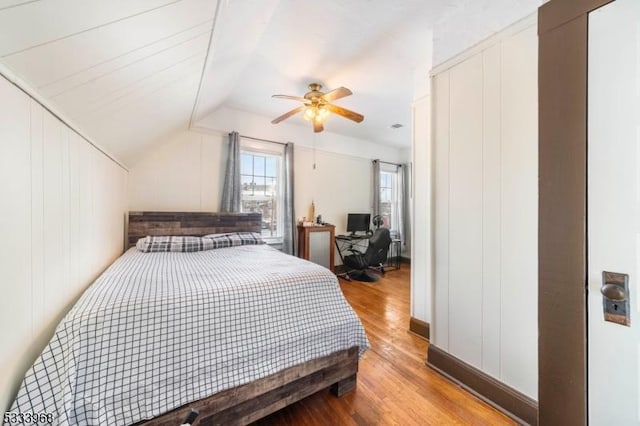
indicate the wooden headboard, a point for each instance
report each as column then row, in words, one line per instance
column 142, row 224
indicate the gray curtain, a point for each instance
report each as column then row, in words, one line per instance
column 376, row 188
column 288, row 233
column 232, row 191
column 408, row 196
column 400, row 203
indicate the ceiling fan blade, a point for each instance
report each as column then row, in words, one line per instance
column 317, row 126
column 345, row 113
column 295, row 98
column 338, row 93
column 288, row 114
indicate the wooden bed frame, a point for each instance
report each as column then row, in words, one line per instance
column 252, row 401
column 141, row 224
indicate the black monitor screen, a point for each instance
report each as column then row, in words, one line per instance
column 358, row 222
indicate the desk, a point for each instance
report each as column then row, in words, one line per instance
column 345, row 243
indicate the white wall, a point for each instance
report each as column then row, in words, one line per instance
column 295, row 130
column 485, row 207
column 421, row 236
column 404, row 155
column 62, row 205
column 186, row 173
column 339, row 185
column 421, row 80
column 419, row 196
column 192, row 165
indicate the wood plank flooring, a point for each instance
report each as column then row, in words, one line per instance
column 395, row 387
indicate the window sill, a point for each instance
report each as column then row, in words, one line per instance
column 272, row 240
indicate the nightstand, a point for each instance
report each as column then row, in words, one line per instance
column 316, row 244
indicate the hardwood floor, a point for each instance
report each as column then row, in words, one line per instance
column 395, row 387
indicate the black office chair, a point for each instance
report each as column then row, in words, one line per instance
column 375, row 256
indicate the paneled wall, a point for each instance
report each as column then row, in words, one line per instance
column 62, row 210
column 485, row 207
column 186, row 173
column 421, row 244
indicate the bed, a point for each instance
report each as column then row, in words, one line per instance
column 235, row 332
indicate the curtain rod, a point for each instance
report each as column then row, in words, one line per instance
column 387, row 162
column 261, row 140
column 282, row 143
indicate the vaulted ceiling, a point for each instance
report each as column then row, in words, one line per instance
column 127, row 72
column 371, row 47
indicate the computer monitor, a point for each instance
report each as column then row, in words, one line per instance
column 357, row 222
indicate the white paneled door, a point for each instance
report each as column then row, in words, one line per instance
column 614, row 212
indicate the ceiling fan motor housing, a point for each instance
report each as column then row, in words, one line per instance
column 314, row 92
column 317, row 106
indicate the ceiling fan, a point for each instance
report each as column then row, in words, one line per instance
column 317, row 106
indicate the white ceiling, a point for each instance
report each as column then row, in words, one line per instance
column 128, row 72
column 365, row 45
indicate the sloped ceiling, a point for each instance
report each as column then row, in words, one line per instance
column 371, row 47
column 126, row 72
column 474, row 20
column 129, row 71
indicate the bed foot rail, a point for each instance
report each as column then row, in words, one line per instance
column 249, row 402
column 344, row 385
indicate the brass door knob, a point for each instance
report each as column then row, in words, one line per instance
column 613, row 292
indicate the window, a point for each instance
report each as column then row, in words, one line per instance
column 388, row 199
column 261, row 180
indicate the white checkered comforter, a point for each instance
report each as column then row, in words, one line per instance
column 159, row 330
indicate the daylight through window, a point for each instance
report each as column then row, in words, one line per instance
column 260, row 180
column 388, row 199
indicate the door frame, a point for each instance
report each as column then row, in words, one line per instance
column 562, row 232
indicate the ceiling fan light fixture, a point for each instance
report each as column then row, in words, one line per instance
column 317, row 106
column 319, row 114
column 309, row 114
column 322, row 114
